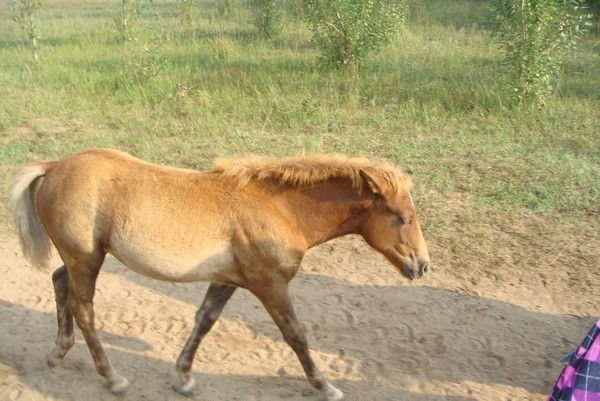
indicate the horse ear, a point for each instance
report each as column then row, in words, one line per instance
column 371, row 182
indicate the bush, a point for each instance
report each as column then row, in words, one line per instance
column 24, row 11
column 534, row 35
column 142, row 65
column 346, row 30
column 268, row 16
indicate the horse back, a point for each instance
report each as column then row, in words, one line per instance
column 166, row 223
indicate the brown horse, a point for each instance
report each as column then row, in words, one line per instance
column 247, row 223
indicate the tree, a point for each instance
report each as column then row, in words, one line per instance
column 23, row 14
column 534, row 34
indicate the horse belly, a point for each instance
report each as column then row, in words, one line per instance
column 214, row 263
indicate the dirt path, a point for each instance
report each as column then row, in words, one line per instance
column 374, row 335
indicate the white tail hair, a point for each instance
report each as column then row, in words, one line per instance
column 35, row 243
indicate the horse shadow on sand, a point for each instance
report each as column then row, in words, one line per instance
column 26, row 376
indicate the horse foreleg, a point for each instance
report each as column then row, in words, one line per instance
column 82, row 282
column 277, row 301
column 64, row 317
column 208, row 313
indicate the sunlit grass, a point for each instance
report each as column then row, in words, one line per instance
column 430, row 101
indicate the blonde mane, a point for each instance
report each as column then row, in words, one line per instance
column 310, row 170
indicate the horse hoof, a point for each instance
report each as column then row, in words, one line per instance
column 188, row 389
column 332, row 393
column 120, row 387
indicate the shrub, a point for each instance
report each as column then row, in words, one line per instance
column 23, row 14
column 534, row 35
column 142, row 65
column 346, row 30
column 268, row 17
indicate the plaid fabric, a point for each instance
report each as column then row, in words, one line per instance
column 580, row 379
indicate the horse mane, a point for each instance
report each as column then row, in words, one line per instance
column 309, row 170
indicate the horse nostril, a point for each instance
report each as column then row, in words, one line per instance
column 425, row 268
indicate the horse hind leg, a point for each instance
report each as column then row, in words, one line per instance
column 276, row 299
column 208, row 313
column 82, row 283
column 64, row 337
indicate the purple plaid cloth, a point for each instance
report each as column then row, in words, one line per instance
column 580, row 379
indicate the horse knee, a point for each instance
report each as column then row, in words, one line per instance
column 82, row 312
column 298, row 343
column 296, row 339
column 74, row 306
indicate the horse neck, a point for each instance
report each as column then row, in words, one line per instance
column 325, row 211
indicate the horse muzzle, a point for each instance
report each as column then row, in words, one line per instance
column 414, row 268
column 411, row 267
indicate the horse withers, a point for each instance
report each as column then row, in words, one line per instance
column 246, row 223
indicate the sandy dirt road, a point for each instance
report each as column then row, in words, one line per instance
column 374, row 335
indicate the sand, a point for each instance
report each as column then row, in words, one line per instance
column 488, row 333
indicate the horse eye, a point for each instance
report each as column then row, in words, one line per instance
column 404, row 219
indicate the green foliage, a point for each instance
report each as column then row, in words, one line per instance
column 184, row 12
column 23, row 14
column 267, row 17
column 125, row 22
column 142, row 65
column 594, row 7
column 346, row 30
column 534, row 34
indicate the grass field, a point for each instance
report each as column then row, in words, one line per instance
column 431, row 101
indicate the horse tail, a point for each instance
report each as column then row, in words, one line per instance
column 35, row 242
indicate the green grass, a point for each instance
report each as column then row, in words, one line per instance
column 431, row 101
